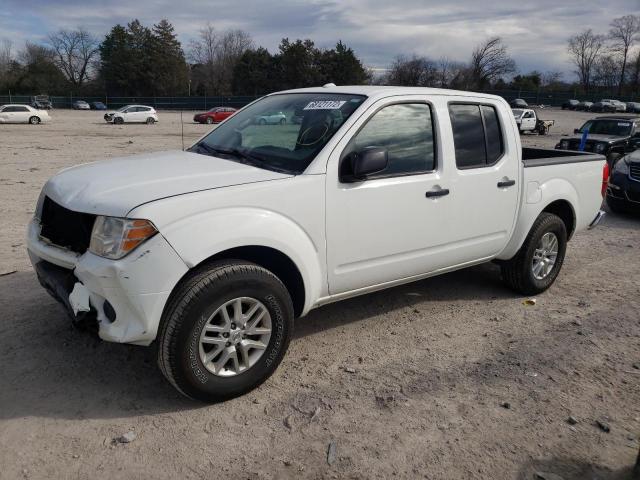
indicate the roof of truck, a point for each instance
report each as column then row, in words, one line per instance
column 386, row 91
column 618, row 117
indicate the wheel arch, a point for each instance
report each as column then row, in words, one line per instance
column 564, row 210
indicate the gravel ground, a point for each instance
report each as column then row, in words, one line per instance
column 448, row 378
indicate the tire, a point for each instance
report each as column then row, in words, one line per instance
column 151, row 121
column 34, row 120
column 196, row 303
column 209, row 121
column 262, row 121
column 118, row 121
column 518, row 273
column 283, row 121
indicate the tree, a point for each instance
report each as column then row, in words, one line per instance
column 256, row 72
column 489, row 62
column 531, row 81
column 37, row 71
column 606, row 72
column 166, row 59
column 624, row 33
column 299, row 64
column 412, row 71
column 584, row 49
column 74, row 52
column 216, row 55
column 449, row 72
column 341, row 66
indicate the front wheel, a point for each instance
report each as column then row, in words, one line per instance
column 34, row 120
column 539, row 260
column 151, row 121
column 118, row 121
column 209, row 120
column 225, row 330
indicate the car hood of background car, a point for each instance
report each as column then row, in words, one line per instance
column 114, row 187
column 599, row 138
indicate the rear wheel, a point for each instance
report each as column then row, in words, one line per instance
column 538, row 262
column 283, row 121
column 262, row 121
column 209, row 120
column 34, row 120
column 225, row 330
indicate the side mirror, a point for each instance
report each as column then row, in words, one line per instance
column 369, row 161
column 576, row 130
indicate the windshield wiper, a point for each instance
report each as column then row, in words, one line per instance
column 244, row 157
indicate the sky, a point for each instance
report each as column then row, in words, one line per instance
column 536, row 32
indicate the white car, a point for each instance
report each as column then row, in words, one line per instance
column 132, row 114
column 212, row 252
column 271, row 118
column 23, row 114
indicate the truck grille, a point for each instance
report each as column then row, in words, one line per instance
column 634, row 171
column 66, row 228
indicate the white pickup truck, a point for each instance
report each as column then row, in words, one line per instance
column 212, row 252
column 528, row 121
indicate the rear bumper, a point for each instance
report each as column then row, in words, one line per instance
column 126, row 296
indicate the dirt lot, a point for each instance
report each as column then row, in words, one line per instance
column 432, row 363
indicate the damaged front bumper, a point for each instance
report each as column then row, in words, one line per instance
column 126, row 297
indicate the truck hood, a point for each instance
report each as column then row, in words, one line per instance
column 114, row 187
column 599, row 138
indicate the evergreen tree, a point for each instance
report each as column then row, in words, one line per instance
column 116, row 62
column 168, row 68
column 341, row 66
column 256, row 73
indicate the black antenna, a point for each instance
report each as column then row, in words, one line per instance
column 182, row 128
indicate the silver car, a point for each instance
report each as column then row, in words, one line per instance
column 271, row 118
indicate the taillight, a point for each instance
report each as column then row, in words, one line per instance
column 605, row 178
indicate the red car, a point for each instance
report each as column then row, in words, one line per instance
column 215, row 115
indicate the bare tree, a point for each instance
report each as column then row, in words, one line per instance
column 489, row 62
column 412, row 71
column 5, row 57
column 584, row 49
column 606, row 72
column 449, row 72
column 217, row 55
column 74, row 53
column 624, row 33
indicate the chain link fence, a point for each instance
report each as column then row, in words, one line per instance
column 539, row 97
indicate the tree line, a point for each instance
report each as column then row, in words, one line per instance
column 138, row 60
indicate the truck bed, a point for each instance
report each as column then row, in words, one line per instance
column 538, row 157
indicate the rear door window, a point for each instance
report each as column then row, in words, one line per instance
column 477, row 135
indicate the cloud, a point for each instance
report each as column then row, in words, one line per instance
column 536, row 32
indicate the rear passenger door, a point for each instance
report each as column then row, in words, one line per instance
column 484, row 181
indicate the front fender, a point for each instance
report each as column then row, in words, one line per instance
column 536, row 198
column 197, row 238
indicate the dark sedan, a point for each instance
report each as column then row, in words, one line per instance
column 623, row 190
column 97, row 106
column 570, row 105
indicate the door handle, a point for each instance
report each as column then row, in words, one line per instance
column 506, row 183
column 437, row 193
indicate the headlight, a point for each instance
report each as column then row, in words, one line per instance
column 114, row 237
column 564, row 144
column 621, row 166
column 600, row 147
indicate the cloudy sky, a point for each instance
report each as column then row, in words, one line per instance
column 536, row 32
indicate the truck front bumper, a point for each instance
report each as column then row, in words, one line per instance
column 126, row 296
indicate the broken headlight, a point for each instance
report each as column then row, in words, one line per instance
column 114, row 237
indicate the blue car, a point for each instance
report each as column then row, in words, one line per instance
column 98, row 106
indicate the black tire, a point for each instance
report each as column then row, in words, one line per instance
column 209, row 120
column 34, row 120
column 262, row 121
column 517, row 272
column 283, row 121
column 118, row 121
column 188, row 310
column 151, row 121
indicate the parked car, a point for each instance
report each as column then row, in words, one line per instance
column 618, row 105
column 584, row 106
column 633, row 107
column 41, row 102
column 271, row 118
column 23, row 114
column 215, row 115
column 81, row 105
column 132, row 114
column 528, row 121
column 212, row 252
column 611, row 136
column 97, row 106
column 518, row 103
column 570, row 105
column 623, row 189
column 603, row 106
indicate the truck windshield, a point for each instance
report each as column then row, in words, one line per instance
column 282, row 132
column 618, row 128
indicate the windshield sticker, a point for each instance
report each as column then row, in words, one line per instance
column 623, row 124
column 325, row 105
